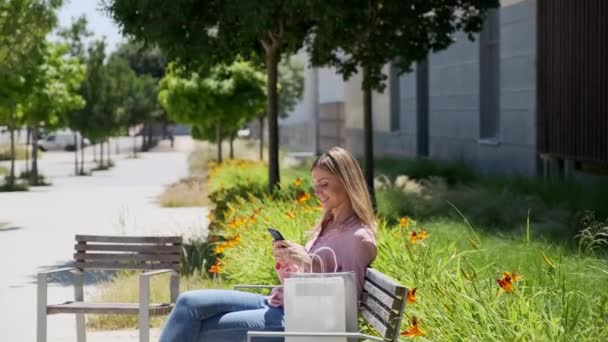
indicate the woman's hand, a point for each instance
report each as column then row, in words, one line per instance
column 288, row 252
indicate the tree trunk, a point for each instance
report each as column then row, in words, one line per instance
column 81, row 155
column 368, row 135
column 232, row 145
column 101, row 154
column 34, row 173
column 11, row 128
column 261, row 122
column 76, row 153
column 143, row 136
column 109, row 150
column 273, row 55
column 134, row 146
column 27, row 149
column 95, row 152
column 218, row 136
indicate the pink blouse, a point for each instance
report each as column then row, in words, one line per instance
column 355, row 248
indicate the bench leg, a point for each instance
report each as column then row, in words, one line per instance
column 79, row 297
column 41, row 309
column 144, row 309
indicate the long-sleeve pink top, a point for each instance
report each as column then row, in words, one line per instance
column 354, row 245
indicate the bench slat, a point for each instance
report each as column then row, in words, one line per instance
column 383, row 297
column 385, row 282
column 129, row 239
column 160, row 249
column 112, row 265
column 107, row 308
column 378, row 309
column 381, row 327
column 128, row 257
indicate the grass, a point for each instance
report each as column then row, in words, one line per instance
column 5, row 152
column 188, row 192
column 124, row 288
column 562, row 295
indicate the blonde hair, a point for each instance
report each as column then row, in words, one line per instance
column 344, row 166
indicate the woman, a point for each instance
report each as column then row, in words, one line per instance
column 347, row 227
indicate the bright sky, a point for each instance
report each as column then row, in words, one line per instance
column 98, row 21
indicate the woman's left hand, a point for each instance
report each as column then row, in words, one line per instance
column 288, row 252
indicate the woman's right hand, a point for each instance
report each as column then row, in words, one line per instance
column 288, row 252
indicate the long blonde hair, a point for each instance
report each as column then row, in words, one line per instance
column 344, row 166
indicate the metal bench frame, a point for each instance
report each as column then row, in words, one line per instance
column 156, row 255
column 382, row 306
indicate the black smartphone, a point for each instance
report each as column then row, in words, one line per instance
column 276, row 235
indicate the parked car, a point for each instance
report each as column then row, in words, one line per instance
column 60, row 141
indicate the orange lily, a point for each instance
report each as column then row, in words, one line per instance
column 297, row 182
column 506, row 281
column 303, row 197
column 404, row 222
column 417, row 236
column 290, row 215
column 411, row 296
column 413, row 330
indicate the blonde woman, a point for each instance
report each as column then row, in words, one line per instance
column 347, row 226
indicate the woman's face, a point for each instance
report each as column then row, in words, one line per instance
column 328, row 189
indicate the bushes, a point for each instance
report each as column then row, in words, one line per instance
column 455, row 269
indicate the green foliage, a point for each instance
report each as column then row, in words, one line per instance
column 454, row 270
column 230, row 95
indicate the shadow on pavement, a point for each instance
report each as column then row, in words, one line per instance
column 8, row 229
column 66, row 278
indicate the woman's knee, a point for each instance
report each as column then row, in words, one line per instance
column 187, row 299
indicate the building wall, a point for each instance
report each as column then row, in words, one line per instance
column 297, row 131
column 454, row 102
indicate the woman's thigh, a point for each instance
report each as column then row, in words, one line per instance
column 233, row 326
column 202, row 304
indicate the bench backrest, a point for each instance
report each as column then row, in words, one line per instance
column 128, row 252
column 382, row 303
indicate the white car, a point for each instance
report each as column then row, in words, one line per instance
column 60, row 141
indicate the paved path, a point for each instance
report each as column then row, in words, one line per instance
column 42, row 224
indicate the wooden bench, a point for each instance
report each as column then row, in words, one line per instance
column 156, row 255
column 382, row 305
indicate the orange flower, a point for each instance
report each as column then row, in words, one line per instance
column 290, row 215
column 297, row 182
column 417, row 236
column 413, row 330
column 411, row 296
column 303, row 197
column 404, row 222
column 218, row 249
column 217, row 267
column 506, row 281
column 252, row 218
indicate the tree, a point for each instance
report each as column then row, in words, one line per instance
column 74, row 35
column 54, row 95
column 216, row 105
column 365, row 35
column 213, row 32
column 24, row 25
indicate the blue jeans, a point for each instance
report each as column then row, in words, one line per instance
column 221, row 315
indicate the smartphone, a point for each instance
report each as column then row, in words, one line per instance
column 276, row 235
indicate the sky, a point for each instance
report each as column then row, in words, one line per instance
column 98, row 22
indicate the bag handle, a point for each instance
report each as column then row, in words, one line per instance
column 333, row 253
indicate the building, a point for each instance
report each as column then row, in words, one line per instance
column 528, row 96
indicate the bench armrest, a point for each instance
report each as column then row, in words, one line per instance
column 246, row 286
column 252, row 334
column 144, row 298
column 57, row 270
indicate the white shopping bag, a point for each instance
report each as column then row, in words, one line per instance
column 314, row 305
column 320, row 302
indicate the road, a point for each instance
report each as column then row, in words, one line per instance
column 41, row 225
